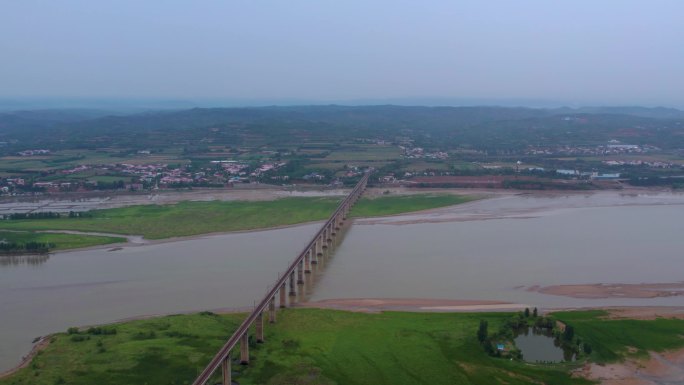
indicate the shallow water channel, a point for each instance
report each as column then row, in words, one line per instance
column 491, row 249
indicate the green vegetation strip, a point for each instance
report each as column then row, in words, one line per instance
column 614, row 339
column 60, row 241
column 168, row 350
column 189, row 218
column 391, row 205
column 193, row 218
column 334, row 347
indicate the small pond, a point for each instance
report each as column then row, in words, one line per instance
column 539, row 345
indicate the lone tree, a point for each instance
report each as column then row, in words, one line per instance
column 568, row 333
column 482, row 331
column 527, row 312
column 534, row 312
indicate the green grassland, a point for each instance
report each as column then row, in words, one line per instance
column 167, row 350
column 189, row 218
column 423, row 165
column 338, row 347
column 365, row 152
column 314, row 346
column 391, row 205
column 61, row 241
column 610, row 338
column 334, row 347
column 193, row 218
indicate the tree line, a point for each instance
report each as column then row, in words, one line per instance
column 27, row 247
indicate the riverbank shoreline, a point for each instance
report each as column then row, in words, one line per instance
column 414, row 205
column 431, row 215
column 83, row 202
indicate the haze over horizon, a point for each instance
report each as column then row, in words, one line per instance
column 528, row 52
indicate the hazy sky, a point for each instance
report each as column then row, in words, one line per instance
column 588, row 51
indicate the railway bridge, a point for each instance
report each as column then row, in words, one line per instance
column 288, row 284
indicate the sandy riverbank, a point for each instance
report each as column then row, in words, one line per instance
column 66, row 202
column 515, row 204
column 95, row 201
column 662, row 368
column 374, row 305
column 613, row 290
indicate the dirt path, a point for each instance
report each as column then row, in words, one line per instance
column 375, row 305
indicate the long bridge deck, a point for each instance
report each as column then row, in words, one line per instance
column 300, row 265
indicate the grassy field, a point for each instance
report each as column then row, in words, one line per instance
column 390, row 205
column 189, row 218
column 314, row 346
column 364, row 152
column 192, row 218
column 395, row 348
column 168, row 350
column 422, row 165
column 610, row 339
column 61, row 241
column 334, row 347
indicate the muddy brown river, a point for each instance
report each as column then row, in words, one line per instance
column 491, row 249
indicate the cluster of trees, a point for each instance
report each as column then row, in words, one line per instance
column 80, row 214
column 47, row 215
column 564, row 334
column 545, row 185
column 675, row 182
column 39, row 215
column 28, row 247
column 96, row 331
column 116, row 185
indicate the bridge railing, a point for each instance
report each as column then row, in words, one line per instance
column 222, row 357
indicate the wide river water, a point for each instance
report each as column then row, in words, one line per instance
column 490, row 249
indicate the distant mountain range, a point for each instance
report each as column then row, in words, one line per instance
column 131, row 106
column 477, row 125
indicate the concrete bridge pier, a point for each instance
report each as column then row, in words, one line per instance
column 300, row 273
column 324, row 239
column 260, row 328
column 272, row 311
column 319, row 246
column 307, row 262
column 293, row 291
column 308, row 285
column 317, row 250
column 244, row 349
column 312, row 252
column 283, row 301
column 225, row 370
column 329, row 233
